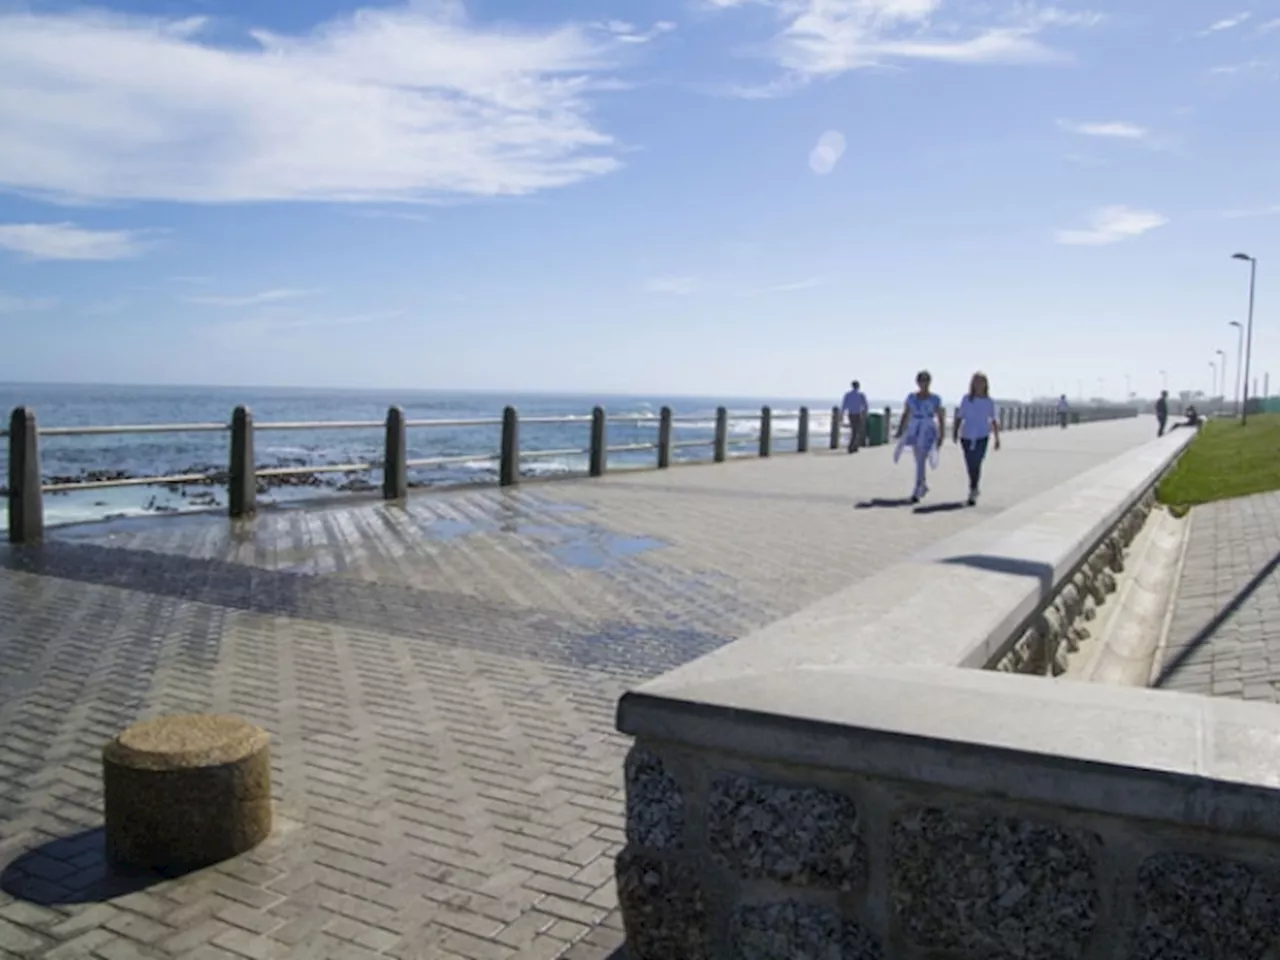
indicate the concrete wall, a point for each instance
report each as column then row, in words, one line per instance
column 845, row 784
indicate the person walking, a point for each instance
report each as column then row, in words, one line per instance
column 976, row 426
column 1064, row 409
column 922, row 428
column 854, row 407
column 1162, row 412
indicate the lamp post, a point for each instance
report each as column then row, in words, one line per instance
column 1248, row 349
column 1239, row 357
column 1222, row 374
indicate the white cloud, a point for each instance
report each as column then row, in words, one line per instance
column 253, row 299
column 11, row 305
column 1111, row 225
column 66, row 241
column 826, row 153
column 1265, row 211
column 829, row 37
column 678, row 286
column 1269, row 26
column 793, row 287
column 1113, row 128
column 1226, row 23
column 627, row 33
column 411, row 102
column 1248, row 66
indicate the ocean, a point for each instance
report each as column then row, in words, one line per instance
column 135, row 455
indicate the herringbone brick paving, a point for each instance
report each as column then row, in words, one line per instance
column 439, row 682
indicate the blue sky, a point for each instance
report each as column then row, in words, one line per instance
column 738, row 197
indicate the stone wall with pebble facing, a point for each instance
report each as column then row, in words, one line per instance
column 730, row 860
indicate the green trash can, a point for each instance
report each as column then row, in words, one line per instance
column 876, row 432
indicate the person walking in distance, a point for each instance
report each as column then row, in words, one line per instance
column 1162, row 412
column 922, row 428
column 855, row 411
column 1063, row 410
column 976, row 426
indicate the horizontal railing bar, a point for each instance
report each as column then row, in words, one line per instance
column 582, row 418
column 633, row 418
column 131, row 428
column 534, row 454
column 321, row 425
column 627, row 448
column 318, row 468
column 134, row 482
column 677, row 444
column 477, row 422
column 444, row 461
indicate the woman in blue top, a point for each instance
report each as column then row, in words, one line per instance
column 976, row 425
column 922, row 428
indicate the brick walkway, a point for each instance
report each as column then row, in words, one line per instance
column 439, row 682
column 1224, row 637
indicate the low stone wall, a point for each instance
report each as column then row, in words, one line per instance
column 1057, row 631
column 840, row 785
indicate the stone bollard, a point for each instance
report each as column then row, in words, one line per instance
column 835, row 428
column 26, row 498
column 395, row 474
column 664, row 438
column 766, row 431
column 509, row 454
column 185, row 791
column 802, row 431
column 722, row 435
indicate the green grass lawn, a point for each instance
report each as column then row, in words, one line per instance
column 1226, row 460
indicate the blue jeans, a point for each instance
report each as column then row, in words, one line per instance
column 974, row 452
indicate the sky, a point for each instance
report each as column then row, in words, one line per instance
column 733, row 197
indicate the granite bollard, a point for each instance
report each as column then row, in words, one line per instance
column 186, row 791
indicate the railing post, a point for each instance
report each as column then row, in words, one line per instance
column 242, row 484
column 888, row 424
column 802, row 433
column 722, row 434
column 509, row 455
column 1017, row 418
column 26, row 499
column 766, row 431
column 835, row 428
column 1004, row 419
column 664, row 438
column 599, row 442
column 395, row 475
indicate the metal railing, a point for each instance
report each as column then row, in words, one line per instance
column 26, row 485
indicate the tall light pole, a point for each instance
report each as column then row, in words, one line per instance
column 1222, row 372
column 1213, row 373
column 1248, row 349
column 1239, row 357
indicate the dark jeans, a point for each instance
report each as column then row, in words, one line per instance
column 1062, row 419
column 857, row 431
column 974, row 452
column 1162, row 421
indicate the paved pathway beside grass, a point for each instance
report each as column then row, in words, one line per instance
column 1224, row 637
column 439, row 681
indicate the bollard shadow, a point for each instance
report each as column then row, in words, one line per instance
column 75, row 869
column 947, row 507
column 879, row 503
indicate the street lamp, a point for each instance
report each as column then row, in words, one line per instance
column 1239, row 357
column 1222, row 369
column 1213, row 368
column 1248, row 350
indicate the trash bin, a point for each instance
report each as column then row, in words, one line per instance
column 876, row 432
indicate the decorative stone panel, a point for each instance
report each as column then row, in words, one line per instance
column 663, row 908
column 1000, row 887
column 655, row 805
column 801, row 836
column 1200, row 908
column 798, row 931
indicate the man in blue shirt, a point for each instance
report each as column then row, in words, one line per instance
column 854, row 408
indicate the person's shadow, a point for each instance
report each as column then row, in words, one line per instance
column 878, row 503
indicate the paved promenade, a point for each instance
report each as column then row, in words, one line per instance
column 439, row 681
column 1224, row 636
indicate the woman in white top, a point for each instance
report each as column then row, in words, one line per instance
column 976, row 424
